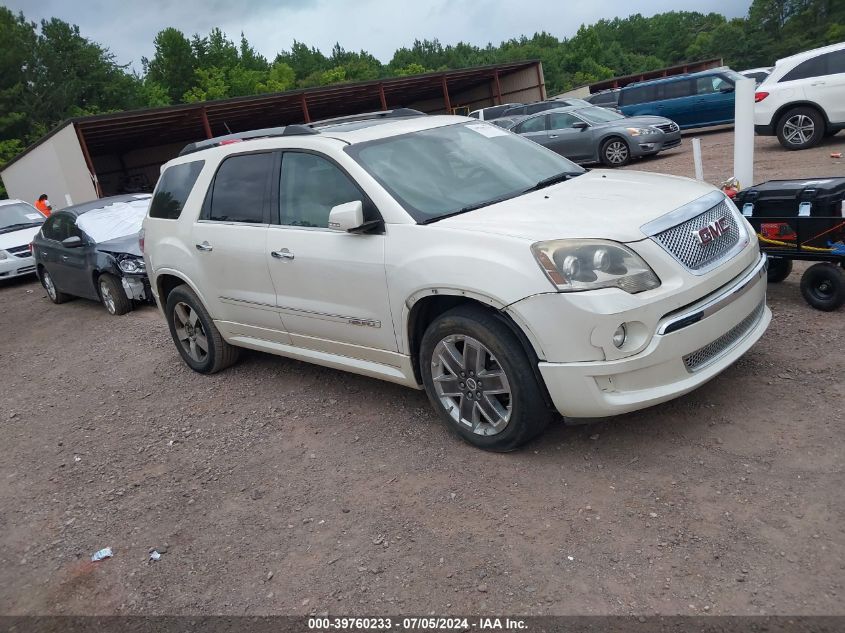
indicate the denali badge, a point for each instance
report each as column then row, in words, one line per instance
column 711, row 231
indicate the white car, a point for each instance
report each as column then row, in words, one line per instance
column 445, row 253
column 803, row 99
column 19, row 222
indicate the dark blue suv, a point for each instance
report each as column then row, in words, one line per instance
column 693, row 100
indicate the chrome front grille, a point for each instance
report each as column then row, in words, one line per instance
column 668, row 127
column 682, row 242
column 19, row 251
column 700, row 358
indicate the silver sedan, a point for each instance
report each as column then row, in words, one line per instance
column 592, row 134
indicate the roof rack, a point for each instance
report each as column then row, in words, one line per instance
column 287, row 130
column 398, row 113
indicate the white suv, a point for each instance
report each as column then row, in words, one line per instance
column 803, row 99
column 445, row 253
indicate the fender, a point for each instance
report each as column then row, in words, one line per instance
column 174, row 273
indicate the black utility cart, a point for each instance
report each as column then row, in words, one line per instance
column 802, row 219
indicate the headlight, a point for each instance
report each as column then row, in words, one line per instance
column 3, row 255
column 576, row 265
column 641, row 131
column 132, row 265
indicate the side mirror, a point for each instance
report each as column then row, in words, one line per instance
column 726, row 89
column 580, row 125
column 347, row 216
column 73, row 242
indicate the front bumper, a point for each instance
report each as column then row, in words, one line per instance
column 14, row 266
column 689, row 347
column 648, row 145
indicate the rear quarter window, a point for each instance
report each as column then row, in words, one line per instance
column 173, row 189
column 638, row 94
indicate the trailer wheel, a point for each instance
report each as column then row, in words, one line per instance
column 823, row 286
column 779, row 269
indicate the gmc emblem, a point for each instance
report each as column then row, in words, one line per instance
column 711, row 231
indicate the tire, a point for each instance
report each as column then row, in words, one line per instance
column 823, row 286
column 112, row 295
column 55, row 295
column 800, row 128
column 615, row 152
column 779, row 269
column 184, row 307
column 511, row 409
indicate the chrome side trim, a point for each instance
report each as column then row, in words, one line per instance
column 703, row 310
column 684, row 213
column 350, row 320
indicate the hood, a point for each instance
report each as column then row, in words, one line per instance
column 127, row 244
column 634, row 121
column 18, row 238
column 600, row 204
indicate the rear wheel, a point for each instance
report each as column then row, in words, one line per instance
column 779, row 269
column 112, row 295
column 615, row 152
column 196, row 337
column 480, row 380
column 800, row 128
column 56, row 296
column 823, row 286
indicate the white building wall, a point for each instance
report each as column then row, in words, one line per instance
column 56, row 167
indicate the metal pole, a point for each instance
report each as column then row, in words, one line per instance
column 744, row 132
column 696, row 157
column 382, row 97
column 88, row 162
column 305, row 108
column 205, row 124
column 540, row 83
column 446, row 96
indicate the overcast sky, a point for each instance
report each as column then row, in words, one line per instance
column 128, row 27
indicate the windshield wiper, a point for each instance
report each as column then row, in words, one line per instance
column 19, row 225
column 471, row 207
column 553, row 180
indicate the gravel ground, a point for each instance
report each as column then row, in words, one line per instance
column 278, row 487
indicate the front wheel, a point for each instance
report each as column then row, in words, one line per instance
column 196, row 337
column 480, row 380
column 112, row 295
column 615, row 152
column 823, row 286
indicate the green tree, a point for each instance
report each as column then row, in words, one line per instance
column 17, row 43
column 210, row 84
column 279, row 78
column 172, row 66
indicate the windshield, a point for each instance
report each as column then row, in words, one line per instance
column 599, row 115
column 454, row 168
column 19, row 216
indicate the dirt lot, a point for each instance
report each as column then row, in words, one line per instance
column 278, row 487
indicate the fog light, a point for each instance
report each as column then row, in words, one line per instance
column 620, row 335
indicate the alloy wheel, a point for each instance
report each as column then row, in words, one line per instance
column 48, row 285
column 471, row 384
column 190, row 332
column 108, row 298
column 616, row 152
column 798, row 129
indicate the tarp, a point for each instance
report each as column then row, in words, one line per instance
column 115, row 220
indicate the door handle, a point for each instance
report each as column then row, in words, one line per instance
column 818, row 83
column 65, row 257
column 282, row 254
column 204, row 247
column 552, row 135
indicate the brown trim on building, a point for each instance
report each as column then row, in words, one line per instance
column 88, row 162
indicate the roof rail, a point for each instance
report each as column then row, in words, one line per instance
column 268, row 132
column 398, row 113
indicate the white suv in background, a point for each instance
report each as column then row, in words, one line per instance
column 19, row 222
column 445, row 253
column 803, row 99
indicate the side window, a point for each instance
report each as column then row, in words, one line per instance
column 676, row 89
column 705, row 85
column 815, row 67
column 518, row 111
column 836, row 62
column 72, row 230
column 240, row 187
column 561, row 120
column 640, row 94
column 173, row 188
column 310, row 187
column 52, row 228
column 537, row 124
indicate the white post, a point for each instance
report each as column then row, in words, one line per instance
column 696, row 157
column 744, row 132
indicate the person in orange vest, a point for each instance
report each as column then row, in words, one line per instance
column 43, row 205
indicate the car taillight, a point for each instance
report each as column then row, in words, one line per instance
column 31, row 248
column 759, row 96
column 141, row 240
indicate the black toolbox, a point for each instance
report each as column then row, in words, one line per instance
column 812, row 197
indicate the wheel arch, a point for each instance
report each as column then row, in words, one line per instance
column 437, row 301
column 799, row 104
column 166, row 280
